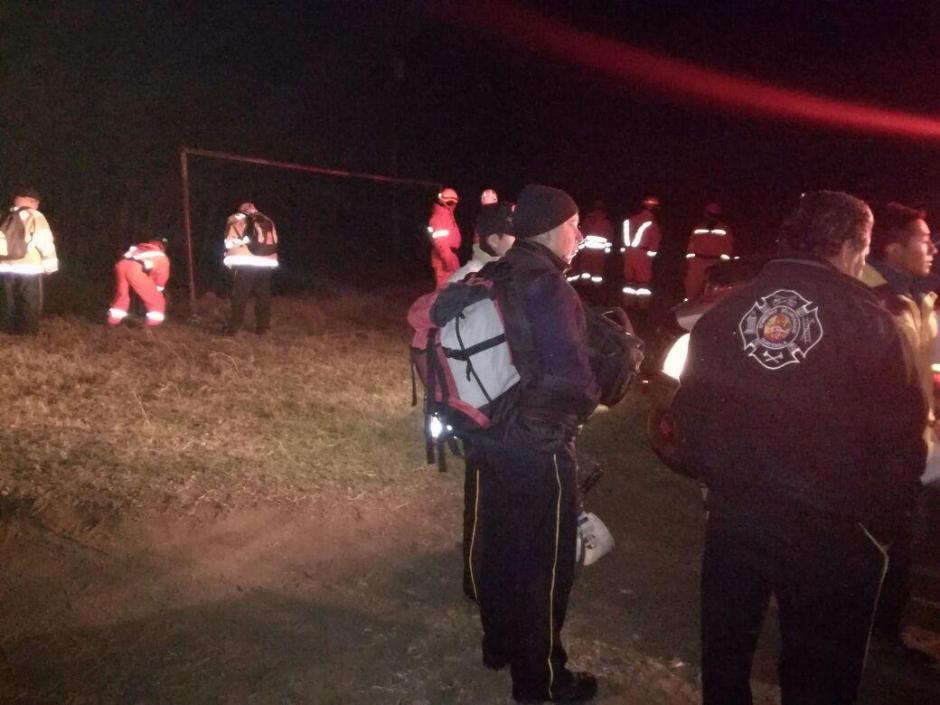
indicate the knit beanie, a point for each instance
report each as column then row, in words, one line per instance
column 494, row 219
column 541, row 208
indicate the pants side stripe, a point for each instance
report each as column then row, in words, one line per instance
column 883, row 550
column 551, row 593
column 473, row 536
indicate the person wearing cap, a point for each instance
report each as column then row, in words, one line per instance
column 710, row 241
column 527, row 504
column 145, row 269
column 251, row 254
column 445, row 236
column 493, row 225
column 488, row 197
column 802, row 412
column 898, row 271
column 641, row 239
column 27, row 252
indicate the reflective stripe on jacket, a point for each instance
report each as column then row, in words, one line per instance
column 154, row 261
column 445, row 238
column 237, row 253
column 40, row 248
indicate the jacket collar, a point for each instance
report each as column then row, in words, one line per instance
column 535, row 254
column 481, row 256
column 811, row 264
column 900, row 282
column 880, row 273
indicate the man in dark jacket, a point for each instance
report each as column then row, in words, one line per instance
column 527, row 500
column 782, row 413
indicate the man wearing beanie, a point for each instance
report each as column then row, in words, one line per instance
column 527, row 504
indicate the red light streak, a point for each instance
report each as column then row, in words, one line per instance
column 681, row 80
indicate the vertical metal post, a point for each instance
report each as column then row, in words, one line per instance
column 188, row 228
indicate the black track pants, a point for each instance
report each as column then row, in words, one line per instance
column 527, row 514
column 471, row 486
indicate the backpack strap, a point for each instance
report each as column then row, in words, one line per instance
column 436, row 379
column 429, row 394
column 508, row 293
column 468, row 353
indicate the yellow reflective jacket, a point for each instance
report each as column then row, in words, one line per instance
column 918, row 322
column 40, row 248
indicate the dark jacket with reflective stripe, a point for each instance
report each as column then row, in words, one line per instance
column 800, row 393
column 558, row 390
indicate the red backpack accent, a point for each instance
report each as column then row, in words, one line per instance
column 460, row 351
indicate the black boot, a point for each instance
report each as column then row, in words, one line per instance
column 580, row 687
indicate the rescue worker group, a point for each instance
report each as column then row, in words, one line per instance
column 805, row 408
column 594, row 273
column 27, row 252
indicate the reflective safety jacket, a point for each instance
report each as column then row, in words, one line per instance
column 237, row 241
column 711, row 241
column 154, row 261
column 916, row 319
column 597, row 224
column 641, row 232
column 589, row 265
column 445, row 238
column 40, row 247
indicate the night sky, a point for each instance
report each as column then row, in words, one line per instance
column 98, row 97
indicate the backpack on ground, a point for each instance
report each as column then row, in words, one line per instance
column 462, row 354
column 14, row 236
column 614, row 352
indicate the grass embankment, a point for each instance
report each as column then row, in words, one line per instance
column 180, row 416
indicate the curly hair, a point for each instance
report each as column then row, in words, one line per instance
column 822, row 221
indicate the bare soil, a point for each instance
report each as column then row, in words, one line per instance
column 342, row 600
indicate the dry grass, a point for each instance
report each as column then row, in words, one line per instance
column 182, row 416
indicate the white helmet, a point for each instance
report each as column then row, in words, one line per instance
column 489, row 196
column 593, row 539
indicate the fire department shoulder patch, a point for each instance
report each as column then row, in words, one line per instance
column 780, row 329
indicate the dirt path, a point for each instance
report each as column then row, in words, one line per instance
column 343, row 601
